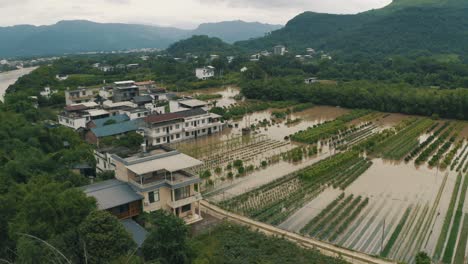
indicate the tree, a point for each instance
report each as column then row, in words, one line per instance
column 167, row 240
column 104, row 237
column 423, row 258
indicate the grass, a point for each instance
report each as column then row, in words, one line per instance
column 449, row 249
column 448, row 218
column 395, row 233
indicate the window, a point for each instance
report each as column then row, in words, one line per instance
column 177, row 126
column 187, row 134
column 153, row 196
column 203, row 130
column 172, row 137
column 203, row 121
column 178, row 136
column 182, row 193
column 214, row 128
column 158, row 140
column 186, row 208
column 157, row 130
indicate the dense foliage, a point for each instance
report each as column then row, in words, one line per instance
column 232, row 244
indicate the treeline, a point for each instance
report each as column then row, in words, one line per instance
column 369, row 95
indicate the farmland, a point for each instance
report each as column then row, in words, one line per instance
column 383, row 184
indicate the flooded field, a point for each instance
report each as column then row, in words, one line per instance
column 378, row 203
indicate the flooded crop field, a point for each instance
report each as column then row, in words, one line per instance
column 384, row 184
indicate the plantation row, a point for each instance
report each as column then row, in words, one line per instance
column 448, row 219
column 426, row 142
column 358, row 134
column 462, row 157
column 398, row 145
column 327, row 129
column 275, row 202
column 435, row 159
column 451, row 155
column 450, row 247
column 433, row 147
column 462, row 242
column 335, row 218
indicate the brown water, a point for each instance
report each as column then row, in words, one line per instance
column 8, row 78
column 228, row 94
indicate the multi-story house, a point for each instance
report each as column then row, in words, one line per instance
column 178, row 126
column 80, row 95
column 78, row 115
column 160, row 176
column 124, row 91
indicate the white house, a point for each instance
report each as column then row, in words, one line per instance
column 279, row 50
column 61, row 77
column 205, row 72
column 311, row 80
column 244, row 69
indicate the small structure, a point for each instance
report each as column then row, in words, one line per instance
column 61, row 77
column 116, row 197
column 214, row 57
column 124, row 91
column 192, row 103
column 141, row 100
column 279, row 50
column 244, row 69
column 115, row 129
column 311, row 80
column 47, row 92
column 76, row 116
column 205, row 72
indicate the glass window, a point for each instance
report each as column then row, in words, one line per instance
column 186, row 208
column 182, row 193
column 153, row 196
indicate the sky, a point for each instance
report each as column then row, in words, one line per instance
column 179, row 13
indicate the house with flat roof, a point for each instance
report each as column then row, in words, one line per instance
column 179, row 126
column 80, row 95
column 124, row 91
column 116, row 197
column 205, row 72
column 162, row 177
column 78, row 115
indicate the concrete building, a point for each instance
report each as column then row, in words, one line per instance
column 124, row 91
column 77, row 116
column 179, row 126
column 80, row 95
column 205, row 72
column 162, row 178
column 279, row 50
column 47, row 92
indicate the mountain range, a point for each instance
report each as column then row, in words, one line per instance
column 84, row 36
column 404, row 27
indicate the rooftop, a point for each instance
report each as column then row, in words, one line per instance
column 116, row 129
column 124, row 83
column 117, row 118
column 174, row 116
column 111, row 193
column 193, row 103
column 172, row 163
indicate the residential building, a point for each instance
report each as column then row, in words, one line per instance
column 214, row 57
column 146, row 85
column 124, row 91
column 190, row 103
column 135, row 113
column 230, row 59
column 106, row 92
column 205, row 72
column 95, row 134
column 116, row 197
column 179, row 126
column 161, row 176
column 279, row 50
column 76, row 116
column 61, row 77
column 244, row 69
column 255, row 57
column 141, row 100
column 80, row 95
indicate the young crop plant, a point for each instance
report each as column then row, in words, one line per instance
column 433, row 147
column 435, row 159
column 449, row 157
column 447, row 220
column 426, row 142
column 388, row 247
column 349, row 219
column 450, row 247
column 322, row 214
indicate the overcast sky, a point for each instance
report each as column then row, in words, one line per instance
column 180, row 13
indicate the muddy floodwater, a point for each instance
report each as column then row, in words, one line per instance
column 227, row 94
column 8, row 78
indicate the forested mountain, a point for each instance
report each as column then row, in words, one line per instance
column 201, row 45
column 405, row 27
column 83, row 36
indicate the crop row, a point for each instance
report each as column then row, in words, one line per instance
column 448, row 254
column 339, row 218
column 322, row 214
column 395, row 233
column 462, row 157
column 349, row 219
column 429, row 150
column 323, row 223
column 327, row 129
column 397, row 146
column 349, row 176
column 447, row 220
column 426, row 142
column 460, row 253
column 449, row 157
column 435, row 159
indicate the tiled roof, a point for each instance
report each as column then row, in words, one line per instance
column 117, row 118
column 174, row 116
column 116, row 129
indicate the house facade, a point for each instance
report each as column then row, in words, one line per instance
column 162, row 178
column 205, row 72
column 124, row 91
column 179, row 126
column 81, row 95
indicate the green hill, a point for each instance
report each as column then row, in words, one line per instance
column 201, row 45
column 405, row 27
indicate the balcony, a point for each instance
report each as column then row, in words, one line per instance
column 176, row 179
column 185, row 201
